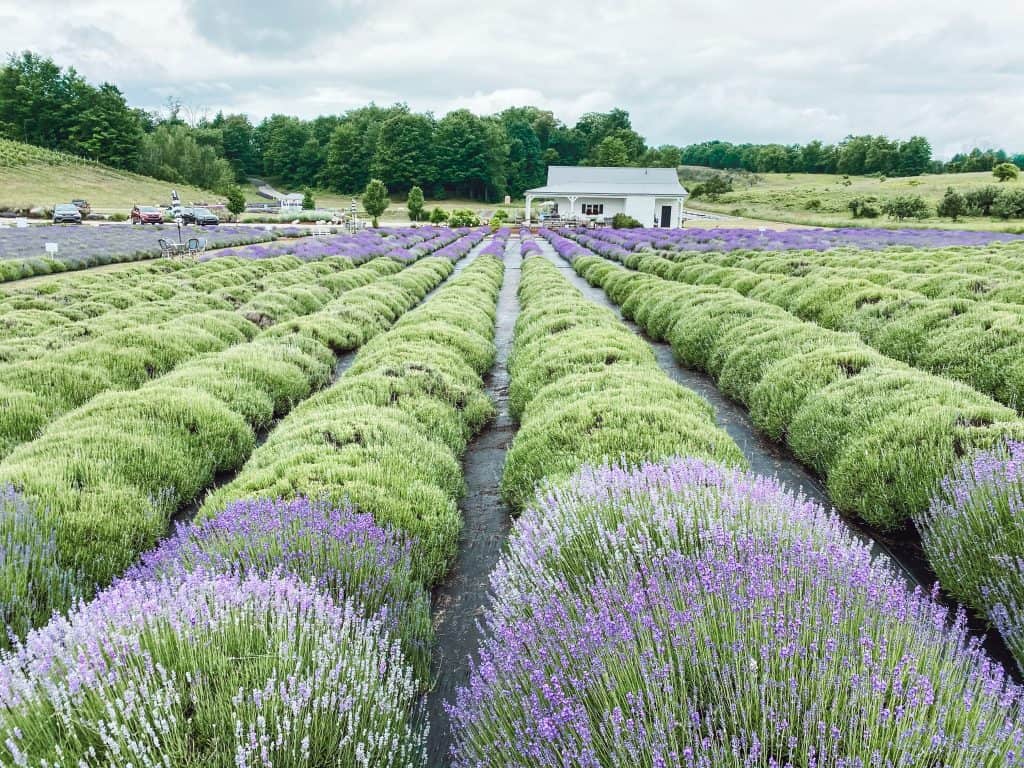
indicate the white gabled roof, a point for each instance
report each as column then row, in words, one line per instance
column 590, row 180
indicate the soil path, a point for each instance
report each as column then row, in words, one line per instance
column 459, row 601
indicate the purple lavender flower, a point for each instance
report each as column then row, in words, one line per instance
column 33, row 581
column 336, row 549
column 209, row 670
column 973, row 535
column 686, row 614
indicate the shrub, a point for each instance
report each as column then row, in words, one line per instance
column 972, row 536
column 209, row 669
column 438, row 216
column 333, row 548
column 953, row 205
column 980, row 200
column 1006, row 172
column 881, row 434
column 906, row 207
column 388, row 435
column 32, row 580
column 463, row 218
column 308, row 202
column 643, row 616
column 1009, row 204
column 713, row 188
column 863, row 208
column 587, row 388
column 624, row 221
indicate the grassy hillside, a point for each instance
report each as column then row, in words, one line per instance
column 30, row 177
column 821, row 199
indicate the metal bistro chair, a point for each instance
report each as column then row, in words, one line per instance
column 166, row 249
column 196, row 245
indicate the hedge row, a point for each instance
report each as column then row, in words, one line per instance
column 976, row 342
column 882, row 434
column 36, row 392
column 107, row 476
column 586, row 388
column 389, row 434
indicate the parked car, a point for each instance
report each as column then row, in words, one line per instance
column 147, row 214
column 200, row 216
column 83, row 207
column 66, row 213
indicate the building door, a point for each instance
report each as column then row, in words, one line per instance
column 666, row 215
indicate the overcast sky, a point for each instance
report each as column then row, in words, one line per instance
column 743, row 70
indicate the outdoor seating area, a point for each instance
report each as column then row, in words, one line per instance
column 192, row 248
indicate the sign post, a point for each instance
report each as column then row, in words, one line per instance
column 176, row 211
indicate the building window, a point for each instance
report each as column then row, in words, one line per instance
column 593, row 209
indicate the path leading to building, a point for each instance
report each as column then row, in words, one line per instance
column 460, row 600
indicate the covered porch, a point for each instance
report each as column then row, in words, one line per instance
column 577, row 208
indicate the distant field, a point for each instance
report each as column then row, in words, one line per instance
column 787, row 197
column 31, row 177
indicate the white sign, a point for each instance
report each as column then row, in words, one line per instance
column 52, row 247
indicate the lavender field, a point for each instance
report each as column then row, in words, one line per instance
column 23, row 250
column 432, row 496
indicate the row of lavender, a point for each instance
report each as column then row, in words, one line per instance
column 732, row 239
column 403, row 244
column 676, row 611
column 276, row 632
column 889, row 441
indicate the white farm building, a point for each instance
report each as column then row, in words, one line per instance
column 652, row 196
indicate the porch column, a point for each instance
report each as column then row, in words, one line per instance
column 529, row 202
column 681, row 201
column 572, row 204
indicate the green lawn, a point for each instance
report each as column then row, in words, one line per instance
column 396, row 212
column 37, row 178
column 790, row 198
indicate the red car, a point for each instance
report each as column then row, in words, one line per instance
column 147, row 214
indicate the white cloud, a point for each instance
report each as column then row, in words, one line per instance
column 687, row 70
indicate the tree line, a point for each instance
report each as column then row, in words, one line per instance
column 460, row 154
column 854, row 156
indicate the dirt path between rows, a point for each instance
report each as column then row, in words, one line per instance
column 459, row 601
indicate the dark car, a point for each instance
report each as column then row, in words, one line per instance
column 201, row 216
column 83, row 207
column 66, row 213
column 147, row 214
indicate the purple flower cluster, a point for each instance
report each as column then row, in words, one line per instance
column 468, row 238
column 209, row 670
column 726, row 239
column 32, row 578
column 686, row 614
column 973, row 535
column 528, row 246
column 565, row 247
column 336, row 549
column 497, row 245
